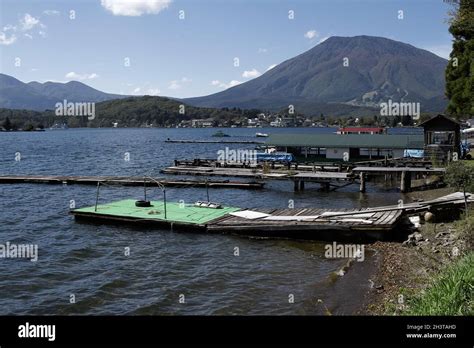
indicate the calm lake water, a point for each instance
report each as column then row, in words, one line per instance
column 89, row 260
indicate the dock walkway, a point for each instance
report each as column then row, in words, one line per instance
column 125, row 181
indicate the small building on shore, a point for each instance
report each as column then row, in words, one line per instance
column 442, row 137
column 347, row 146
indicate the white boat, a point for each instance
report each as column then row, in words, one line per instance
column 261, row 135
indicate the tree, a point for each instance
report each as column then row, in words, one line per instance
column 460, row 176
column 460, row 70
column 7, row 124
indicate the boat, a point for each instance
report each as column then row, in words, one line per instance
column 57, row 126
column 220, row 134
column 261, row 135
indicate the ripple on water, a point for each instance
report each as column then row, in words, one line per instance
column 89, row 262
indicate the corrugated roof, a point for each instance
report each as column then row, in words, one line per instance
column 378, row 141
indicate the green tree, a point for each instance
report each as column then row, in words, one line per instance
column 461, row 177
column 7, row 124
column 460, row 70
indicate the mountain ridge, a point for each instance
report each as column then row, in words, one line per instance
column 377, row 69
column 15, row 94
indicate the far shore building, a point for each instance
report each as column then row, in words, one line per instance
column 202, row 123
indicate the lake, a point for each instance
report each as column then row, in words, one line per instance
column 89, row 262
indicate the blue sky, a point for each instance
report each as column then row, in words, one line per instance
column 193, row 56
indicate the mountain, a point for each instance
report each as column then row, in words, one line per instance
column 378, row 69
column 15, row 94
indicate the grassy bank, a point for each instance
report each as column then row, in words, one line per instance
column 434, row 276
column 451, row 293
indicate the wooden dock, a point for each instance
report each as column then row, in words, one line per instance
column 345, row 225
column 125, row 181
column 306, row 224
column 360, row 225
column 385, row 170
column 298, row 177
column 327, row 176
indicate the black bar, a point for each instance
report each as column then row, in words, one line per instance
column 260, row 330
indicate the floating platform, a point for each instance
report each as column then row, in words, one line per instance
column 307, row 223
column 177, row 215
column 345, row 225
column 124, row 180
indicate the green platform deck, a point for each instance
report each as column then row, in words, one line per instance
column 175, row 212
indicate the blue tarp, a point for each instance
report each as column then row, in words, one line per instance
column 274, row 157
column 414, row 153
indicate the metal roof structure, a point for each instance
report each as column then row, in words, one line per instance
column 370, row 141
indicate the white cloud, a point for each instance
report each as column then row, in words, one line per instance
column 153, row 91
column 135, row 7
column 174, row 85
column 271, row 66
column 323, row 39
column 9, row 27
column 25, row 24
column 233, row 83
column 177, row 84
column 51, row 12
column 262, row 50
column 311, row 34
column 28, row 22
column 4, row 40
column 249, row 74
column 225, row 85
column 145, row 91
column 74, row 76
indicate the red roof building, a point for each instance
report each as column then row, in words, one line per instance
column 361, row 130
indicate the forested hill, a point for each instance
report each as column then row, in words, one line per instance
column 129, row 112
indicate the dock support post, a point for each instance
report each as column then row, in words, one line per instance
column 301, row 185
column 144, row 188
column 164, row 200
column 362, row 182
column 325, row 186
column 97, row 196
column 405, row 182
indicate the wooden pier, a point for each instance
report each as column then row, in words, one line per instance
column 327, row 176
column 406, row 173
column 326, row 179
column 125, row 181
column 346, row 225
